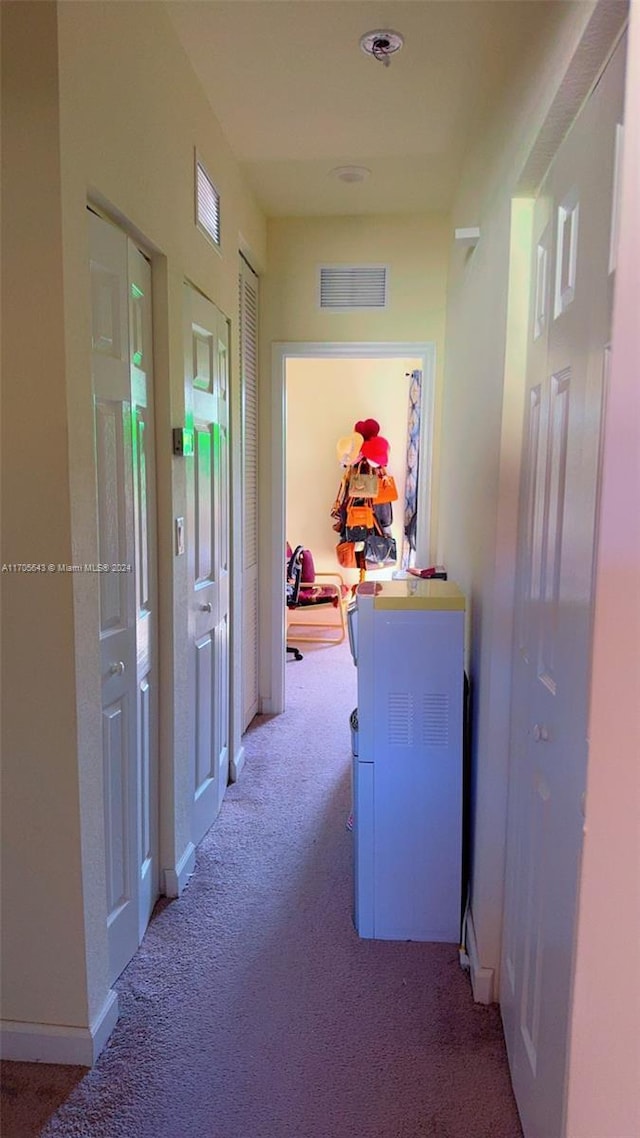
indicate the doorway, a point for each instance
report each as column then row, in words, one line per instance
column 285, row 356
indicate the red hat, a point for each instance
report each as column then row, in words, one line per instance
column 368, row 428
column 376, row 450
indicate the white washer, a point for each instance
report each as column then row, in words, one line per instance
column 407, row 778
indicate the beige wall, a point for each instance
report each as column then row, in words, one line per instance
column 415, row 249
column 131, row 113
column 43, row 957
column 325, row 398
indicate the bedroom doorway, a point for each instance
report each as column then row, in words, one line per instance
column 296, row 363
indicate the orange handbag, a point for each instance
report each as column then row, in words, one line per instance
column 387, row 491
column 360, row 516
column 346, row 554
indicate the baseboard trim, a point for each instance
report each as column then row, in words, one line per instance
column 236, row 764
column 53, row 1043
column 482, row 979
column 175, row 880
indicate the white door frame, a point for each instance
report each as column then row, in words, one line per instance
column 273, row 628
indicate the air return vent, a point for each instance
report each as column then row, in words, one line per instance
column 207, row 205
column 343, row 287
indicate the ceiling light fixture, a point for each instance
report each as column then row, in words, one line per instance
column 381, row 45
column 350, row 173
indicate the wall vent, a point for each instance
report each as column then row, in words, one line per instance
column 345, row 287
column 400, row 719
column 207, row 205
column 435, row 732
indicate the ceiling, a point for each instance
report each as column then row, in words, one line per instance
column 296, row 96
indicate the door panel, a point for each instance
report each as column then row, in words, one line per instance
column 145, row 581
column 121, row 373
column 554, row 588
column 206, row 400
column 249, row 300
column 116, row 762
column 554, row 604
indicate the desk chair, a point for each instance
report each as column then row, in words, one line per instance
column 304, row 591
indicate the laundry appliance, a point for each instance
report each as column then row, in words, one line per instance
column 408, row 642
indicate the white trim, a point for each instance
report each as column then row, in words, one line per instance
column 54, row 1043
column 175, row 880
column 236, row 764
column 482, row 979
column 272, row 599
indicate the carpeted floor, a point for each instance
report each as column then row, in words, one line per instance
column 252, row 1009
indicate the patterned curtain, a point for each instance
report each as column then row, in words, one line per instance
column 413, row 462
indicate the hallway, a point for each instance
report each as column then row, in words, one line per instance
column 252, row 1009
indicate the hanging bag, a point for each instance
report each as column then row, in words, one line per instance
column 359, row 521
column 362, row 485
column 387, row 491
column 346, row 554
column 380, row 550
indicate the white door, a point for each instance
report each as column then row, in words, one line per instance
column 144, row 564
column 121, row 372
column 206, row 342
column 569, row 333
column 249, row 435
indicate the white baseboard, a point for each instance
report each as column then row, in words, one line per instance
column 52, row 1043
column 237, row 764
column 175, row 880
column 482, row 979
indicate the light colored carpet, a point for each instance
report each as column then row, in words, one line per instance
column 252, row 1009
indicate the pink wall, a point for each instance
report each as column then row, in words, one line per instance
column 604, row 1072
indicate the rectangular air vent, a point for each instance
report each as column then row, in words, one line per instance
column 400, row 719
column 435, row 727
column 207, row 205
column 344, row 287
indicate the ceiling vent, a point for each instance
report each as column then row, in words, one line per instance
column 344, row 287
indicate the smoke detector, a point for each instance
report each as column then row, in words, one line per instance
column 381, row 44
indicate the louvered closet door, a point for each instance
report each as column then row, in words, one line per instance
column 249, row 413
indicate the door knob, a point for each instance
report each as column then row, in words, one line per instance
column 206, row 607
column 117, row 669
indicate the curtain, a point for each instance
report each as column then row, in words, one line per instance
column 413, row 462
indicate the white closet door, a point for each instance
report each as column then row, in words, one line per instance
column 249, row 428
column 206, row 346
column 122, row 373
column 569, row 333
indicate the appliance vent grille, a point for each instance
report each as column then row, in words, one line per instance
column 344, row 287
column 400, row 719
column 435, row 723
column 207, row 205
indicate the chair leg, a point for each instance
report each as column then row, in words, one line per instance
column 294, row 652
